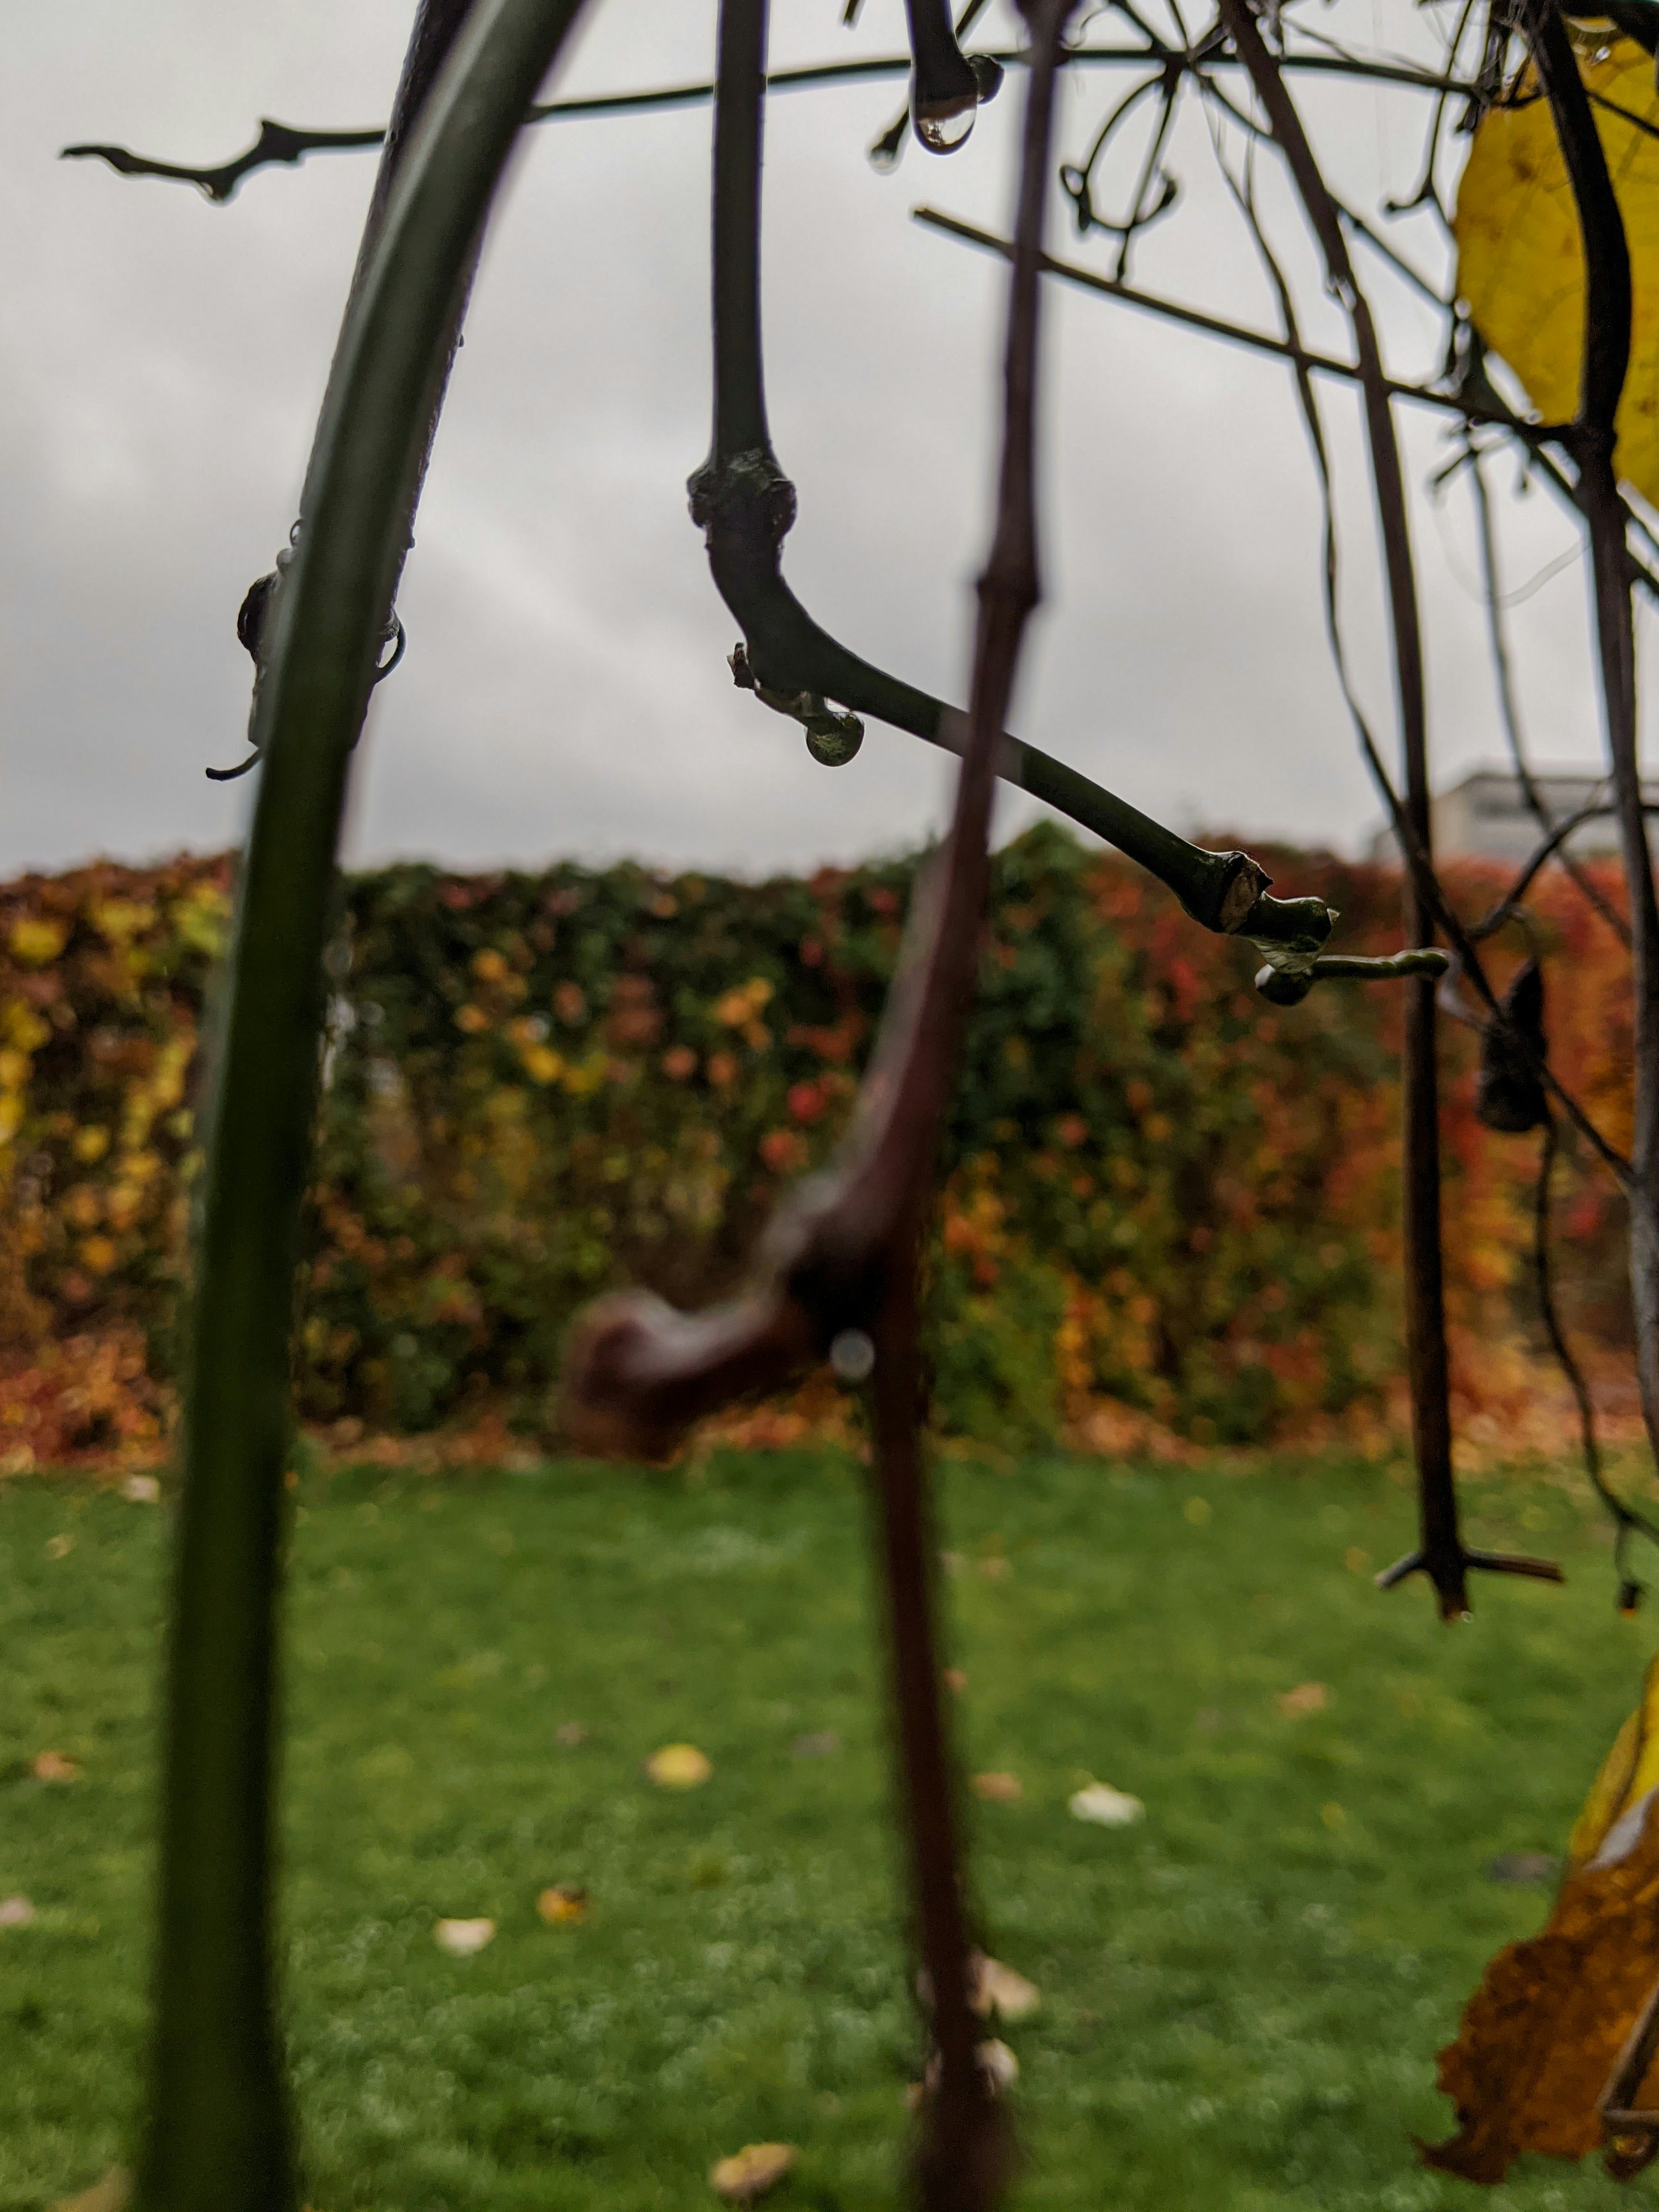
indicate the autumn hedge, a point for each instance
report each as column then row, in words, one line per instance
column 1167, row 1203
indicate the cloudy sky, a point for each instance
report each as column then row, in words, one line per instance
column 565, row 690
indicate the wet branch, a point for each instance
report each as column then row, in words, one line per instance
column 282, row 143
column 1591, row 440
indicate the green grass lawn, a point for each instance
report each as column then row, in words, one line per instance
column 1243, row 1997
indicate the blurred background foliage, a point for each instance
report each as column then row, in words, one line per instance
column 1169, row 1211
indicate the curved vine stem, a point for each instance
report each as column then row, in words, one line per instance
column 218, row 2136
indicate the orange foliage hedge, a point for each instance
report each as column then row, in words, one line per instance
column 1167, row 1203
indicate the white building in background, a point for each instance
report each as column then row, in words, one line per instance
column 1487, row 817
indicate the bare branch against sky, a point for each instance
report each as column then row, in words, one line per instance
column 163, row 358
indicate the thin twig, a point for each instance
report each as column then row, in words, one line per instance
column 1215, row 326
column 1627, row 1521
column 1508, row 711
column 283, row 143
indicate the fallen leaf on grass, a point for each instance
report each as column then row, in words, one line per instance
column 998, row 1788
column 112, row 2194
column 462, row 1938
column 1106, row 1807
column 142, row 1490
column 564, row 1901
column 954, row 1680
column 822, row 1743
column 1541, row 2034
column 15, row 1911
column 678, row 1766
column 54, row 1766
column 1306, row 1698
column 1000, row 2063
column 570, row 1734
column 999, row 1989
column 997, row 2062
column 750, row 2172
column 59, row 1547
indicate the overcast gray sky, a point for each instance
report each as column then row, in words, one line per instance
column 565, row 690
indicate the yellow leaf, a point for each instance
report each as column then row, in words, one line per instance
column 120, row 919
column 1520, row 263
column 1540, row 2036
column 542, row 1064
column 752, row 2171
column 38, row 943
column 1628, row 1771
column 54, row 1766
column 564, row 1901
column 678, row 1766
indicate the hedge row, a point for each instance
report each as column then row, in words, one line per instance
column 1163, row 1195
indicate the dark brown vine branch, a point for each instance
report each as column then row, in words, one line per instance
column 1591, row 440
column 1441, row 1553
column 947, row 87
column 843, row 1278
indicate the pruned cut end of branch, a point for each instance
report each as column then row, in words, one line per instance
column 638, row 1375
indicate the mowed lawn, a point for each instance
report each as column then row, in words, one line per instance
column 1242, row 1996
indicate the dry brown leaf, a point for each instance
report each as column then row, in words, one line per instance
column 112, row 2194
column 1541, row 2035
column 1306, row 1698
column 750, row 2172
column 678, row 1766
column 564, row 1901
column 15, row 1911
column 54, row 1766
column 998, row 1788
column 954, row 1680
column 569, row 1734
